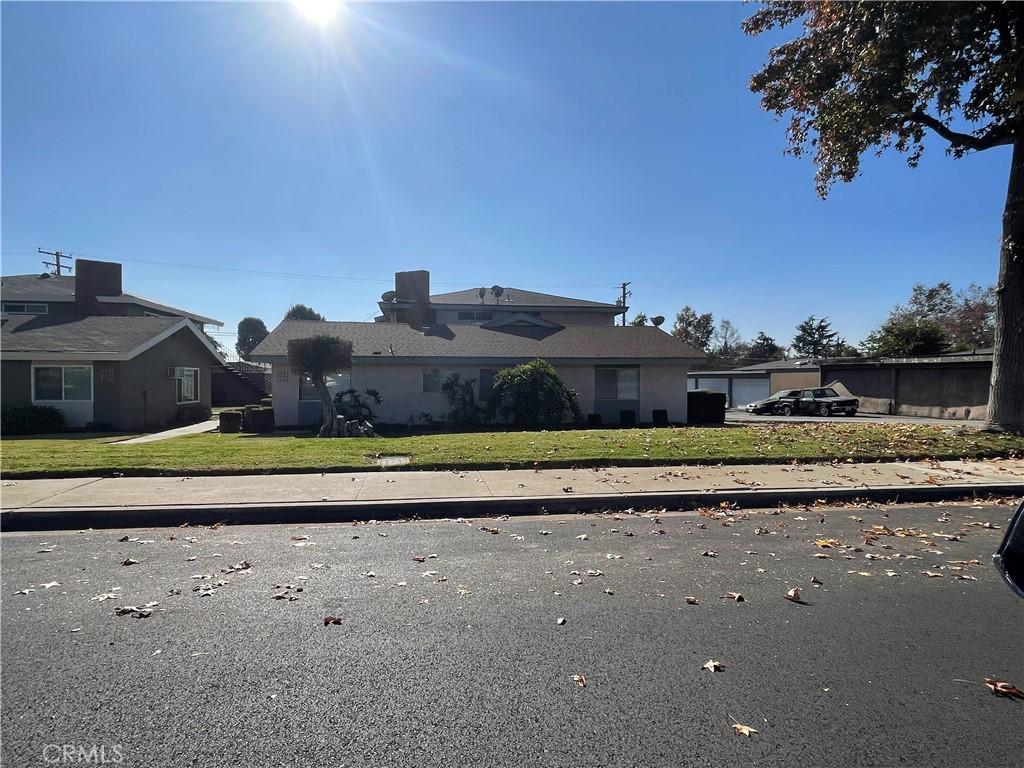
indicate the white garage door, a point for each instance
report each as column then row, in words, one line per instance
column 746, row 391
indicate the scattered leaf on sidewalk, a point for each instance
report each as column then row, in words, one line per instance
column 567, row 489
column 580, row 680
column 332, row 620
column 130, row 561
column 690, row 600
column 1003, row 688
column 713, row 666
column 733, row 596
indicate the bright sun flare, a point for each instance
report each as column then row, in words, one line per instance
column 320, row 12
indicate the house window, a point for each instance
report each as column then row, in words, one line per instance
column 616, row 383
column 57, row 383
column 186, row 383
column 338, row 382
column 25, row 309
column 431, row 380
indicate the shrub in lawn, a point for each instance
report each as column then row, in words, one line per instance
column 463, row 411
column 532, row 395
column 704, row 407
column 256, row 418
column 230, row 421
column 31, row 420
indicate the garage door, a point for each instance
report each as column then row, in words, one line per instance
column 746, row 391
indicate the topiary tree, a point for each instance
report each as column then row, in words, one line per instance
column 531, row 395
column 251, row 331
column 319, row 357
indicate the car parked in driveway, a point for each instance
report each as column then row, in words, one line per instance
column 822, row 401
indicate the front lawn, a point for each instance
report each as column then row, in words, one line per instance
column 214, row 453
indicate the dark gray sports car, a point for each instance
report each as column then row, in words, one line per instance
column 823, row 401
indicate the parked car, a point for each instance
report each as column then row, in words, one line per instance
column 822, row 401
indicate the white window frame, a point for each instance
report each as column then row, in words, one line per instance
column 436, row 372
column 45, row 308
column 62, row 366
column 195, row 387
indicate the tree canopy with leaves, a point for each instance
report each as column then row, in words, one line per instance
column 639, row 319
column 906, row 337
column 302, row 312
column 251, row 331
column 875, row 76
column 815, row 338
column 318, row 357
column 763, row 347
column 696, row 330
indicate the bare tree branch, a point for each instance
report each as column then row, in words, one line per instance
column 994, row 137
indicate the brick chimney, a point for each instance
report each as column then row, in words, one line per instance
column 92, row 279
column 413, row 287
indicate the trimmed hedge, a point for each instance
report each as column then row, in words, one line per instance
column 31, row 420
column 257, row 418
column 230, row 421
column 704, row 407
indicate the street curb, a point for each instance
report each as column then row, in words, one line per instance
column 150, row 516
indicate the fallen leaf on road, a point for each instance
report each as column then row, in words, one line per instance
column 708, row 553
column 130, row 561
column 44, row 550
column 794, row 595
column 816, row 580
column 583, row 537
column 1003, row 688
column 822, row 556
column 690, row 600
column 419, row 559
column 965, row 577
column 932, row 574
column 827, row 543
column 713, row 666
column 488, row 530
column 24, row 591
column 131, row 610
column 608, row 592
column 368, row 575
column 332, row 620
column 580, row 680
column 244, row 565
column 105, row 596
column 300, row 538
column 560, row 621
column 567, row 489
column 733, row 596
column 743, row 730
column 593, row 572
column 544, row 533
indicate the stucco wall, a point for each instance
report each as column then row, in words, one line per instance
column 401, row 386
column 16, row 383
column 148, row 395
column 795, row 380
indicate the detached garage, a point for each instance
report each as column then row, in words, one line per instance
column 746, row 385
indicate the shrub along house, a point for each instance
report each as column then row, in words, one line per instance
column 103, row 357
column 619, row 373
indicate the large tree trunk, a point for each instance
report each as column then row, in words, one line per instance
column 1006, row 396
column 329, row 427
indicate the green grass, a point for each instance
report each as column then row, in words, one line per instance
column 215, row 453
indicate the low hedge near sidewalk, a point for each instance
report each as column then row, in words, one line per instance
column 243, row 453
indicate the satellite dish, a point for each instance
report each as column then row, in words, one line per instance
column 497, row 290
column 657, row 320
column 387, row 296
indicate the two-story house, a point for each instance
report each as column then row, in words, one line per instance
column 104, row 357
column 620, row 373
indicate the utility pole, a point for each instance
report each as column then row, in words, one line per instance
column 625, row 295
column 57, row 264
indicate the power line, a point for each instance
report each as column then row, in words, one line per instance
column 56, row 263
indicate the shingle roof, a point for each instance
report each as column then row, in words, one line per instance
column 513, row 297
column 398, row 340
column 46, row 288
column 37, row 288
column 101, row 335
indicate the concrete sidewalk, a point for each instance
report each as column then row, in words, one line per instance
column 167, row 434
column 79, row 502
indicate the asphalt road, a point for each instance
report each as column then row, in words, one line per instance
column 474, row 670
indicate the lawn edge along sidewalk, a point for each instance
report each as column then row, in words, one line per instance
column 149, row 516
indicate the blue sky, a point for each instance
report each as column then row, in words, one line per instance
column 556, row 147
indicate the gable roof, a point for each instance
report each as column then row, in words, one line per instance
column 377, row 342
column 517, row 297
column 49, row 288
column 97, row 337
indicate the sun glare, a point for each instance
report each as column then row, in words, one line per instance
column 320, row 12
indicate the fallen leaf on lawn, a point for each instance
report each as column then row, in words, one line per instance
column 743, row 730
column 332, row 620
column 1003, row 688
column 712, row 666
column 932, row 574
column 130, row 561
column 733, row 596
column 580, row 680
column 690, row 600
